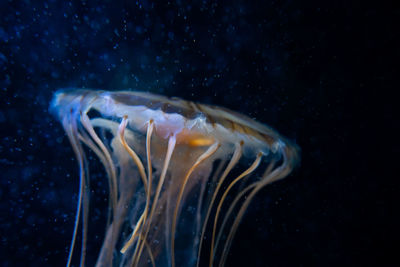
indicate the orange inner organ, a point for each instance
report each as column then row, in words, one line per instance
column 193, row 138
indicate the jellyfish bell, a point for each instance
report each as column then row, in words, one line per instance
column 180, row 174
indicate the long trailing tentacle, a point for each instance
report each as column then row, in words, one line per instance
column 273, row 176
column 70, row 127
column 139, row 164
column 85, row 210
column 234, row 160
column 131, row 152
column 84, row 138
column 76, row 134
column 170, row 150
column 210, row 151
column 114, row 189
column 136, row 159
column 198, row 216
column 89, row 128
column 229, row 212
column 236, row 200
column 245, row 173
column 146, row 182
column 150, row 127
column 102, row 123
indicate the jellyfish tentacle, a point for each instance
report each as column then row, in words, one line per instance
column 170, row 150
column 114, row 189
column 70, row 126
column 229, row 212
column 270, row 177
column 88, row 126
column 236, row 200
column 85, row 210
column 84, row 138
column 150, row 127
column 134, row 235
column 113, row 128
column 209, row 152
column 234, row 160
column 251, row 169
column 139, row 164
column 146, row 183
column 131, row 152
column 85, row 193
column 198, row 215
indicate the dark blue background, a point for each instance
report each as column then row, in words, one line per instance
column 318, row 71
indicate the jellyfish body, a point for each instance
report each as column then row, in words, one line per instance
column 180, row 174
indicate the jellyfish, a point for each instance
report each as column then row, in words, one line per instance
column 180, row 174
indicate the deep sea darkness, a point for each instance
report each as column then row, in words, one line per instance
column 320, row 72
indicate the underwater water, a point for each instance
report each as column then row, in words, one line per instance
column 311, row 70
